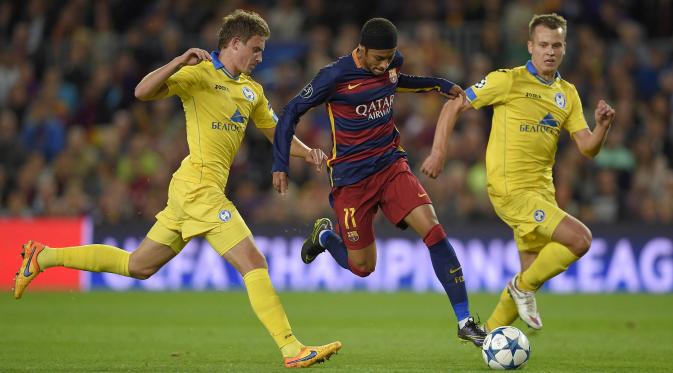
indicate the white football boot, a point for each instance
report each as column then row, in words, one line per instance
column 525, row 304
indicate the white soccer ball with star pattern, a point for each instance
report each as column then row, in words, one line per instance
column 505, row 348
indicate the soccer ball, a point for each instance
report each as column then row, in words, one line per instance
column 505, row 348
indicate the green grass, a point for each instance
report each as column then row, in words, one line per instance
column 402, row 332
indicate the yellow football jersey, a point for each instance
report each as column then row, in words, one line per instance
column 218, row 107
column 528, row 115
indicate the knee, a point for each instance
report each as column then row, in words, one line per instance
column 582, row 242
column 141, row 272
column 362, row 269
column 362, row 272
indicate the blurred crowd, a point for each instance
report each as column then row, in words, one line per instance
column 74, row 140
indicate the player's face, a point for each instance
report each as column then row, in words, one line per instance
column 547, row 49
column 377, row 60
column 249, row 54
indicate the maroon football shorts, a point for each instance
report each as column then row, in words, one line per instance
column 395, row 189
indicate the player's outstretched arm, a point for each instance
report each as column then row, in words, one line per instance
column 456, row 92
column 316, row 157
column 279, row 177
column 285, row 143
column 280, row 182
column 153, row 85
column 412, row 83
column 434, row 163
column 590, row 142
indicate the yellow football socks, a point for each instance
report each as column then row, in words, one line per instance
column 553, row 259
column 94, row 258
column 505, row 312
column 266, row 305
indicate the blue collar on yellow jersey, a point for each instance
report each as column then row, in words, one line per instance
column 531, row 69
column 218, row 65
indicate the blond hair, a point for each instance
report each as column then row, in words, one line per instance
column 242, row 24
column 552, row 21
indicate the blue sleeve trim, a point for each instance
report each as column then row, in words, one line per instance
column 470, row 94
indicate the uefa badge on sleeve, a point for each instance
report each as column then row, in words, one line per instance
column 307, row 91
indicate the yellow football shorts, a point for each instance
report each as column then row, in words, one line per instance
column 533, row 216
column 198, row 210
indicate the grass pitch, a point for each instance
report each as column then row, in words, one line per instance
column 402, row 332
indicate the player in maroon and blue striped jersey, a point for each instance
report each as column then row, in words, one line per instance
column 368, row 169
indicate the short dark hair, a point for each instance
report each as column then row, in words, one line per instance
column 378, row 33
column 242, row 24
column 552, row 21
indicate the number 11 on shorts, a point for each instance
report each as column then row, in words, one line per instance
column 349, row 211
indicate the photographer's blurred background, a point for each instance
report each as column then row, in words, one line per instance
column 74, row 141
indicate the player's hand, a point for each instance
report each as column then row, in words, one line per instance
column 317, row 158
column 280, row 182
column 604, row 114
column 458, row 105
column 455, row 92
column 193, row 56
column 433, row 165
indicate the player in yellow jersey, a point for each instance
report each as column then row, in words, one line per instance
column 531, row 105
column 219, row 98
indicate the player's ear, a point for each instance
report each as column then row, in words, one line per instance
column 235, row 42
column 530, row 46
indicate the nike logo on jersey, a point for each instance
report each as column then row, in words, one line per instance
column 454, row 270
column 353, row 86
column 422, row 195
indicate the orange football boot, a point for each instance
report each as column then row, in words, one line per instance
column 310, row 355
column 29, row 268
